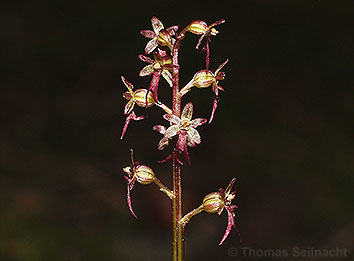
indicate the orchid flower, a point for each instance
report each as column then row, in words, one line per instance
column 141, row 97
column 206, row 78
column 216, row 202
column 137, row 172
column 199, row 27
column 161, row 65
column 159, row 35
column 184, row 127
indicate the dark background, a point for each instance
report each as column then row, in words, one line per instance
column 284, row 129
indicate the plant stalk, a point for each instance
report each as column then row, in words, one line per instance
column 178, row 229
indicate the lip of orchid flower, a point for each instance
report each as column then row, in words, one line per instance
column 230, row 209
column 129, row 117
column 159, row 35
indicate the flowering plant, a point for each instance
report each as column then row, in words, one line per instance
column 164, row 44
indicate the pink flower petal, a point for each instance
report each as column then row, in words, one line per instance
column 221, row 66
column 167, row 76
column 193, row 137
column 187, row 112
column 127, row 84
column 163, row 143
column 129, row 107
column 172, row 118
column 147, row 70
column 217, row 23
column 160, row 129
column 145, row 59
column 197, row 122
column 172, row 131
column 148, row 34
column 150, row 46
column 156, row 24
column 172, row 30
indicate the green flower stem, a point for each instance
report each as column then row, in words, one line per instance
column 177, row 228
column 164, row 189
column 184, row 221
column 164, row 107
column 187, row 88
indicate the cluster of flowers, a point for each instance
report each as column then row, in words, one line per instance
column 161, row 45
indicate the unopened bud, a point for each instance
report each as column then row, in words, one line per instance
column 144, row 174
column 198, row 27
column 213, row 203
column 203, row 79
column 141, row 99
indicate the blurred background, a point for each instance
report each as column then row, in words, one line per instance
column 283, row 128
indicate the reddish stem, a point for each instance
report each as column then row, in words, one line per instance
column 178, row 229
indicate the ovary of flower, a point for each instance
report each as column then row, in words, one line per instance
column 159, row 35
column 141, row 97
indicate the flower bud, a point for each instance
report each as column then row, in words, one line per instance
column 141, row 98
column 198, row 27
column 203, row 79
column 144, row 174
column 213, row 203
